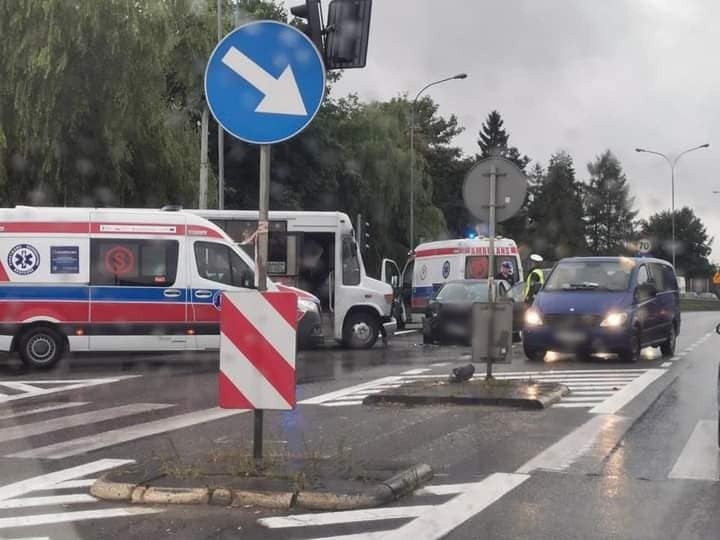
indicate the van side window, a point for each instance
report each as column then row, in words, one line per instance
column 219, row 263
column 350, row 262
column 669, row 278
column 659, row 277
column 642, row 275
column 133, row 262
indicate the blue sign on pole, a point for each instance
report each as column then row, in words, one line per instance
column 265, row 82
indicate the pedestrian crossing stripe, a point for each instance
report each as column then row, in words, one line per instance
column 14, row 390
column 588, row 388
column 32, row 495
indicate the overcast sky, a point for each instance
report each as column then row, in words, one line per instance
column 574, row 75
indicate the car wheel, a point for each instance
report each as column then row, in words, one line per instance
column 41, row 347
column 632, row 354
column 668, row 348
column 360, row 330
column 535, row 355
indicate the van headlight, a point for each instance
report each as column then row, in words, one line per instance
column 306, row 305
column 533, row 318
column 615, row 319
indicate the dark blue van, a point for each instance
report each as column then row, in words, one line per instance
column 604, row 304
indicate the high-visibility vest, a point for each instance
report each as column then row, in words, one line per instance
column 540, row 278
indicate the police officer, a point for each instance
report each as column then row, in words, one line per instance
column 535, row 278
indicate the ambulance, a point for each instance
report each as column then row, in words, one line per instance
column 433, row 263
column 80, row 279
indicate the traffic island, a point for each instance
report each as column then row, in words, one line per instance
column 526, row 394
column 277, row 482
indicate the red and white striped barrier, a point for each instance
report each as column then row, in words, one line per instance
column 257, row 350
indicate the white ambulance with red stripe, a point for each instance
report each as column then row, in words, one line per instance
column 83, row 279
column 433, row 263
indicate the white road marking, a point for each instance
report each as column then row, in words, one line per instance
column 343, row 403
column 592, row 393
column 447, row 517
column 317, row 400
column 65, row 517
column 561, row 455
column 104, row 439
column 674, row 358
column 29, row 502
column 55, row 407
column 64, row 422
column 74, row 484
column 442, row 489
column 62, row 385
column 666, row 364
column 628, row 393
column 416, row 371
column 21, row 386
column 699, row 458
column 46, row 481
column 440, row 364
column 348, row 516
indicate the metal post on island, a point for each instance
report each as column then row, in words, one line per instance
column 493, row 190
column 283, row 104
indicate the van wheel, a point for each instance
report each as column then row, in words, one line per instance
column 668, row 348
column 360, row 330
column 41, row 347
column 632, row 354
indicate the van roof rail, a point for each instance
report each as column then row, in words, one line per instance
column 172, row 208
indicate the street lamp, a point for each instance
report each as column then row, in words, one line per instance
column 672, row 183
column 412, row 151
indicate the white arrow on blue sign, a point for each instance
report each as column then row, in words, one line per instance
column 264, row 82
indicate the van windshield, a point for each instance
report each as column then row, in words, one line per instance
column 591, row 276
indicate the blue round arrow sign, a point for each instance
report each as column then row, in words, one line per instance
column 264, row 82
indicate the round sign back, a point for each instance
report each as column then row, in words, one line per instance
column 510, row 190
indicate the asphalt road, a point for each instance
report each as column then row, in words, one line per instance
column 631, row 453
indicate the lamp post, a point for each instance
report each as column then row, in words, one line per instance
column 672, row 164
column 412, row 151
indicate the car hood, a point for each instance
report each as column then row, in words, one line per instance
column 581, row 302
column 299, row 292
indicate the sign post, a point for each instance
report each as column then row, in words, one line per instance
column 494, row 190
column 264, row 82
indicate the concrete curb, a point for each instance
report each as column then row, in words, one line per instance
column 399, row 485
column 540, row 402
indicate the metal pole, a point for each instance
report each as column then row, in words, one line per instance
column 262, row 254
column 412, row 175
column 221, row 132
column 491, row 271
column 202, row 202
column 672, row 184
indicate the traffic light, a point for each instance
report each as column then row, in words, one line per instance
column 363, row 233
column 310, row 11
column 348, row 31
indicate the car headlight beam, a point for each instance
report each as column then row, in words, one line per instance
column 614, row 319
column 533, row 318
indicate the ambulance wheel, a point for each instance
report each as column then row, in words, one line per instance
column 41, row 347
column 360, row 330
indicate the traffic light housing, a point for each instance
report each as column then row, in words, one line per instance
column 310, row 11
column 348, row 32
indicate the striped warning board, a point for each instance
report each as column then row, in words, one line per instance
column 257, row 350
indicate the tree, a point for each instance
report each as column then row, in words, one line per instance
column 556, row 211
column 84, row 105
column 608, row 206
column 494, row 138
column 693, row 245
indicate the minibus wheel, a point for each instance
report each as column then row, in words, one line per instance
column 360, row 330
column 41, row 347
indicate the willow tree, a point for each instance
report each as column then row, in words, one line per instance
column 84, row 112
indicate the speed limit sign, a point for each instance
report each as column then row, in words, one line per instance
column 644, row 246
